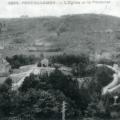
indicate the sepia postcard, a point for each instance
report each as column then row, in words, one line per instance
column 60, row 60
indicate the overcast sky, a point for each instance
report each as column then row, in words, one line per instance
column 110, row 7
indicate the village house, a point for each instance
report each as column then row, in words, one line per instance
column 4, row 67
column 1, row 45
column 44, row 62
column 3, row 27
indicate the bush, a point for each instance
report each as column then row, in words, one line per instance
column 81, row 65
column 20, row 60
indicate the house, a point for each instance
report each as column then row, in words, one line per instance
column 3, row 27
column 44, row 62
column 109, row 31
column 4, row 67
column 32, row 49
column 2, row 45
column 66, row 70
column 101, row 56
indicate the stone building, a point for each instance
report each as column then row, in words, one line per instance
column 3, row 27
column 44, row 62
column 4, row 67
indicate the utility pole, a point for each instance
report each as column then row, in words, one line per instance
column 63, row 110
column 115, row 100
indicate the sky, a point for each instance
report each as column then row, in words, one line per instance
column 57, row 7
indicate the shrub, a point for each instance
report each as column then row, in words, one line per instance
column 19, row 60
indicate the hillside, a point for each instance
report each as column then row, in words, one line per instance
column 72, row 34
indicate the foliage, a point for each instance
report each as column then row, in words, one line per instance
column 5, row 97
column 62, row 87
column 69, row 60
column 19, row 60
column 63, row 27
column 104, row 76
column 106, row 61
column 50, row 25
column 81, row 64
column 30, row 82
column 100, row 105
column 18, row 41
column 41, row 96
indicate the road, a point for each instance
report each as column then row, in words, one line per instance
column 33, row 70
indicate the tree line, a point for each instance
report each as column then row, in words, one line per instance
column 41, row 96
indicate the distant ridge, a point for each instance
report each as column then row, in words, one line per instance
column 73, row 33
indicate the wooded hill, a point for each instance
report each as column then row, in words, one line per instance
column 72, row 34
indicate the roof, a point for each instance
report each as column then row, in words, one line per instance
column 45, row 60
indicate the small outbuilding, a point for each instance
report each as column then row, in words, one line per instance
column 44, row 62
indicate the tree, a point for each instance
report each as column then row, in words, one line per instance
column 63, row 27
column 20, row 60
column 30, row 82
